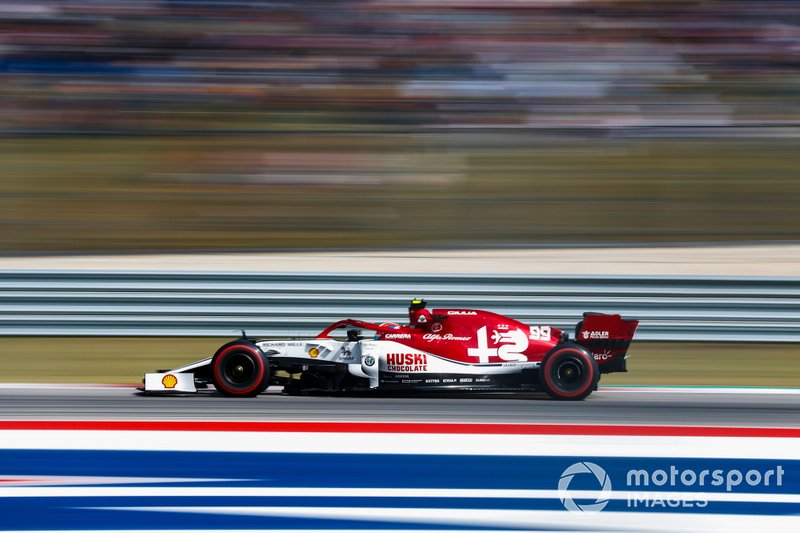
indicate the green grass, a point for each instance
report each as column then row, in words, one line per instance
column 124, row 360
column 315, row 190
column 95, row 359
column 768, row 365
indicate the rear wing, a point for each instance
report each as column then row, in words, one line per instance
column 607, row 337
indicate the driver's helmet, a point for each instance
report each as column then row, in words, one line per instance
column 418, row 316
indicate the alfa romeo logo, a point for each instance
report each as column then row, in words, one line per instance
column 369, row 360
column 584, row 469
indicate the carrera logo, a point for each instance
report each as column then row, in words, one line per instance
column 407, row 362
column 397, row 336
column 594, row 334
column 462, row 313
column 445, row 337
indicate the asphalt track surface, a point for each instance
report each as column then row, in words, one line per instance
column 649, row 406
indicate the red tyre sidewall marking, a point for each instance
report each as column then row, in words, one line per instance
column 251, row 351
column 550, row 383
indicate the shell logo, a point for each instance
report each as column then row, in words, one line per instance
column 169, row 381
column 313, row 352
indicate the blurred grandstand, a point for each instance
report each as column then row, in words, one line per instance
column 186, row 124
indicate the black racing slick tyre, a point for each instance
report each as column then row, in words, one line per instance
column 569, row 372
column 240, row 369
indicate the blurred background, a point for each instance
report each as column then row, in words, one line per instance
column 535, row 158
column 210, row 125
column 257, row 125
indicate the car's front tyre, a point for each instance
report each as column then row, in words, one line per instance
column 240, row 369
column 569, row 372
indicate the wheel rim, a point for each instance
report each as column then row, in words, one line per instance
column 569, row 374
column 239, row 369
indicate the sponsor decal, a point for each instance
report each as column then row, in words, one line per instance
column 436, row 327
column 397, row 335
column 406, row 362
column 313, row 353
column 605, row 356
column 449, row 380
column 169, row 381
column 540, row 333
column 346, row 354
column 369, row 360
column 511, row 345
column 445, row 337
column 594, row 334
column 503, row 327
column 462, row 313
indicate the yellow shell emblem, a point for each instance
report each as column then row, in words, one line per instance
column 169, row 381
column 313, row 352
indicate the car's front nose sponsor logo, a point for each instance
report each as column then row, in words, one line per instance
column 169, row 381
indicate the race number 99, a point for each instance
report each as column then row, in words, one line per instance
column 540, row 333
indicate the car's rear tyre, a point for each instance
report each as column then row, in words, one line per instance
column 240, row 369
column 569, row 373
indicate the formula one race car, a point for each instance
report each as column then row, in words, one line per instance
column 447, row 349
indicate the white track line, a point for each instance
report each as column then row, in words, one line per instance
column 372, row 492
column 603, row 390
column 509, row 519
column 774, row 448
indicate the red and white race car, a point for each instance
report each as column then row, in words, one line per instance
column 443, row 349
